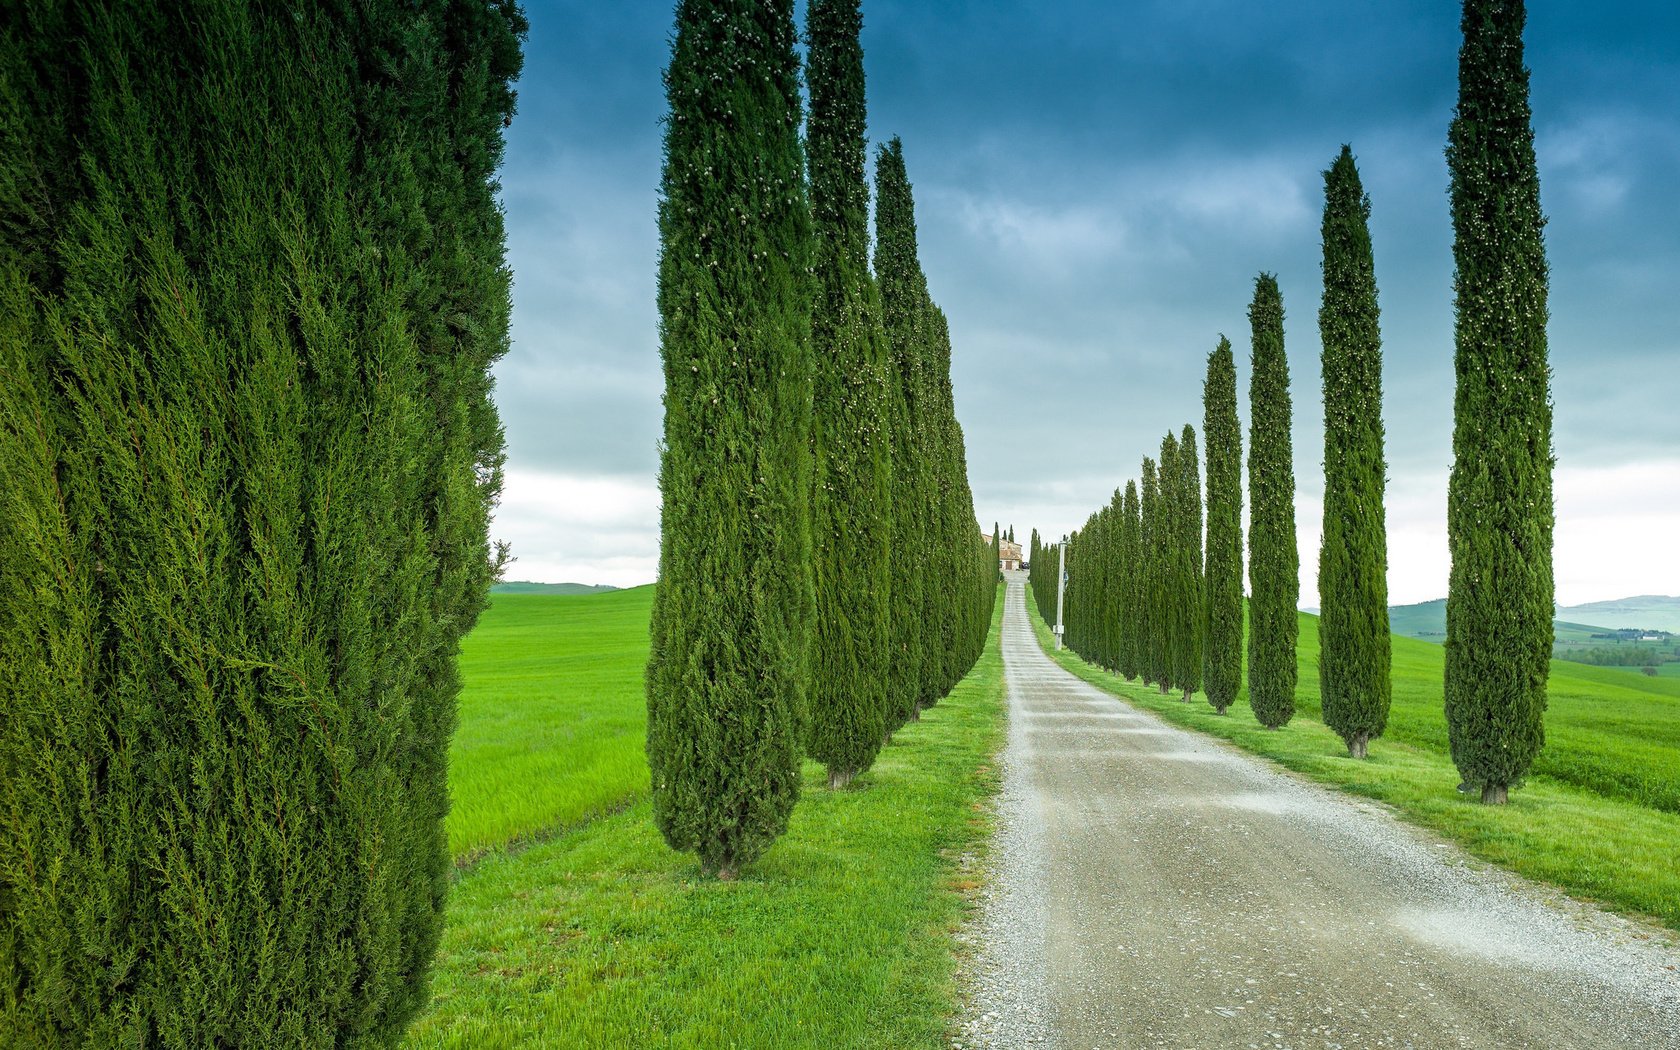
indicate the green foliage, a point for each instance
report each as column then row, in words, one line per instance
column 733, row 607
column 1187, row 587
column 247, row 318
column 851, row 508
column 1132, row 600
column 1274, row 563
column 1153, row 637
column 1499, row 499
column 1223, row 597
column 1353, row 664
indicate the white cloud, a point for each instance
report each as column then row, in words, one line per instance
column 566, row 528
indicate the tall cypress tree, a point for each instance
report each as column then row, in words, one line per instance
column 1274, row 562
column 1159, row 517
column 1187, row 556
column 1353, row 666
column 1499, row 504
column 1132, row 601
column 851, row 419
column 732, row 609
column 247, row 320
column 1223, row 594
column 904, row 313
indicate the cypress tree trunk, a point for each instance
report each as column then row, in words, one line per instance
column 1131, row 597
column 731, row 614
column 1223, row 613
column 1188, row 650
column 246, row 324
column 1273, row 559
column 851, row 508
column 1499, row 504
column 1353, row 665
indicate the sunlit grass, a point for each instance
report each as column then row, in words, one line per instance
column 552, row 719
column 1588, row 822
column 840, row 936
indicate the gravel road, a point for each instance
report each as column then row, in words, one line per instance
column 1151, row 887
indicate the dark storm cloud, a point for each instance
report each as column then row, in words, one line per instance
column 1097, row 185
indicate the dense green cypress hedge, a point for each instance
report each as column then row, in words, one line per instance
column 1353, row 666
column 726, row 682
column 1273, row 559
column 851, row 509
column 1499, row 504
column 251, row 286
column 1223, row 597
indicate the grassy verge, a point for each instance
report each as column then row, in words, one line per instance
column 551, row 718
column 839, row 937
column 1601, row 845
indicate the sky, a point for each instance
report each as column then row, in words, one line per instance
column 1097, row 185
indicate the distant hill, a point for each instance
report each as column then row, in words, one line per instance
column 1651, row 611
column 1574, row 624
column 526, row 587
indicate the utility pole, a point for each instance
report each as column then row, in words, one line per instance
column 1061, row 585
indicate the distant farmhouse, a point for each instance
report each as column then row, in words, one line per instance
column 1009, row 552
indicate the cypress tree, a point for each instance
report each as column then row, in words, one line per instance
column 1273, row 559
column 1499, row 504
column 851, row 422
column 1187, row 555
column 1131, row 598
column 247, row 320
column 1223, row 596
column 1157, row 656
column 1353, row 667
column 905, row 316
column 732, row 608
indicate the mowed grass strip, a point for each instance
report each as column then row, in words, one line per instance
column 1603, row 845
column 840, row 936
column 552, row 718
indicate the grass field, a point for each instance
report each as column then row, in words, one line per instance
column 601, row 936
column 1600, row 817
column 551, row 716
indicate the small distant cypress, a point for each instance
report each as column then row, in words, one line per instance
column 1223, row 596
column 1499, row 499
column 1158, row 538
column 1187, row 555
column 732, row 608
column 1353, row 665
column 1274, row 562
column 1132, row 600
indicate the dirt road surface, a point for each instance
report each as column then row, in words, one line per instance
column 1150, row 887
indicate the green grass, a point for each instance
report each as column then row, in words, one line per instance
column 1596, row 819
column 552, row 717
column 840, row 936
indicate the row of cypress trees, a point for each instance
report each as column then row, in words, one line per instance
column 252, row 282
column 1125, row 602
column 822, row 574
